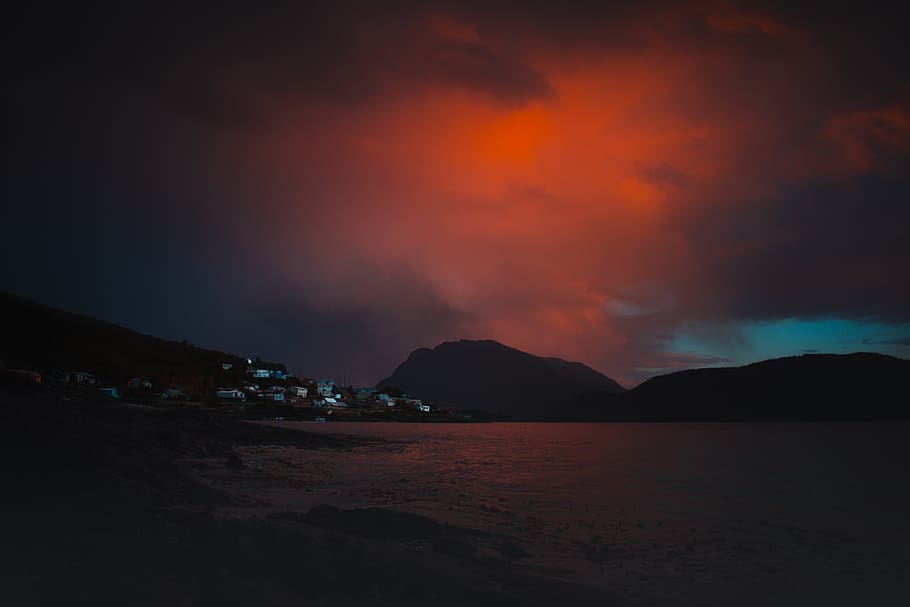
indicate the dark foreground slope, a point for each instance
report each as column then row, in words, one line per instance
column 100, row 508
column 816, row 387
column 489, row 376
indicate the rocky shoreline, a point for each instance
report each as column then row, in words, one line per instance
column 101, row 509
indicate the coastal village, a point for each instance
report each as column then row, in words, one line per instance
column 82, row 357
column 253, row 387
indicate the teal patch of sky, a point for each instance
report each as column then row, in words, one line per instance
column 756, row 341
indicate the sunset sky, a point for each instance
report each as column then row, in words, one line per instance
column 641, row 187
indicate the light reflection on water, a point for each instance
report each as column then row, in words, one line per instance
column 789, row 470
column 718, row 503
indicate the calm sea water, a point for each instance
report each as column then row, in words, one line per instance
column 669, row 513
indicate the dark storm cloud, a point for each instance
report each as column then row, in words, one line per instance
column 364, row 338
column 228, row 66
column 867, row 43
column 830, row 248
column 478, row 67
column 318, row 46
column 233, row 65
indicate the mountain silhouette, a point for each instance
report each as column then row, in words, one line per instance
column 487, row 375
column 812, row 387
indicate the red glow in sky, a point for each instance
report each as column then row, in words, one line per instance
column 557, row 222
column 584, row 182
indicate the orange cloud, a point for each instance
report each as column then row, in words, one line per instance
column 867, row 140
column 531, row 218
column 575, row 182
column 728, row 18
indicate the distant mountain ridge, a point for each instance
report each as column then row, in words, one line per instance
column 487, row 375
column 812, row 387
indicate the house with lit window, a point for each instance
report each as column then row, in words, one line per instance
column 325, row 387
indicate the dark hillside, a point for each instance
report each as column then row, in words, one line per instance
column 830, row 387
column 489, row 376
column 37, row 337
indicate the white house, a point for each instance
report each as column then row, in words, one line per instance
column 231, row 394
column 325, row 387
column 334, row 402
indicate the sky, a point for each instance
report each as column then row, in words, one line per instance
column 642, row 187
